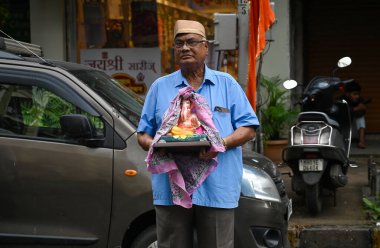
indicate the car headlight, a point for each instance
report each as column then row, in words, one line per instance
column 258, row 184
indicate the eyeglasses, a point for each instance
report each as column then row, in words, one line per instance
column 189, row 43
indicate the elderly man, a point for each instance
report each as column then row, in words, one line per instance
column 211, row 214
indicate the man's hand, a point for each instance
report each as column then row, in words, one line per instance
column 205, row 154
column 145, row 140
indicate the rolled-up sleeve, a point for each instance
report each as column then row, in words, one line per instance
column 241, row 110
column 147, row 122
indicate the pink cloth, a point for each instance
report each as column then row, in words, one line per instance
column 186, row 172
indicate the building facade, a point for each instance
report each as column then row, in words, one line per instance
column 307, row 39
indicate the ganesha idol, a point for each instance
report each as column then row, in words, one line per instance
column 188, row 123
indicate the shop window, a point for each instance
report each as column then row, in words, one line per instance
column 145, row 24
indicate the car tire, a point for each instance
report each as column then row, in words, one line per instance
column 146, row 239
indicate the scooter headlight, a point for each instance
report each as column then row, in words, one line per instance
column 258, row 184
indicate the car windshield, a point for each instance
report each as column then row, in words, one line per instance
column 128, row 103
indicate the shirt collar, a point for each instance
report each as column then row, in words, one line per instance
column 181, row 81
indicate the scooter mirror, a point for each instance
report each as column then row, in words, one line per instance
column 290, row 84
column 344, row 62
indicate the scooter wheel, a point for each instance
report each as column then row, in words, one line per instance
column 313, row 199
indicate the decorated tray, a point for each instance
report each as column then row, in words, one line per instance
column 189, row 143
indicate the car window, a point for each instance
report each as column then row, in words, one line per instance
column 34, row 111
column 125, row 101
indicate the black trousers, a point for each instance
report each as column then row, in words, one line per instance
column 214, row 227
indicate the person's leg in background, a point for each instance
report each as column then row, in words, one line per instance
column 360, row 125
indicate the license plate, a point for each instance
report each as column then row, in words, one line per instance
column 311, row 164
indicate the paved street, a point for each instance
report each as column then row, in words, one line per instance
column 348, row 210
column 346, row 220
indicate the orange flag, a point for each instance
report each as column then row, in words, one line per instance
column 260, row 19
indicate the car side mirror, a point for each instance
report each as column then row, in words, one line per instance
column 79, row 127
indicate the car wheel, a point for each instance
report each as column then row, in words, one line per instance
column 146, row 239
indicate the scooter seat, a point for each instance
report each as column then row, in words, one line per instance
column 316, row 116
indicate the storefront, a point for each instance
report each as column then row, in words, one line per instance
column 334, row 29
column 132, row 40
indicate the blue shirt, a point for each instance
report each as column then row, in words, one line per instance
column 230, row 109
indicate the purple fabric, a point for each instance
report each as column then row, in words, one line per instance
column 186, row 172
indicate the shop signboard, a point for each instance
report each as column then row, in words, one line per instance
column 135, row 68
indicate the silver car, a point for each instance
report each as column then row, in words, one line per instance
column 73, row 175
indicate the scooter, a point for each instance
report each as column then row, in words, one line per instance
column 320, row 141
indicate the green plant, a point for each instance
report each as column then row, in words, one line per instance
column 372, row 207
column 46, row 109
column 275, row 115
